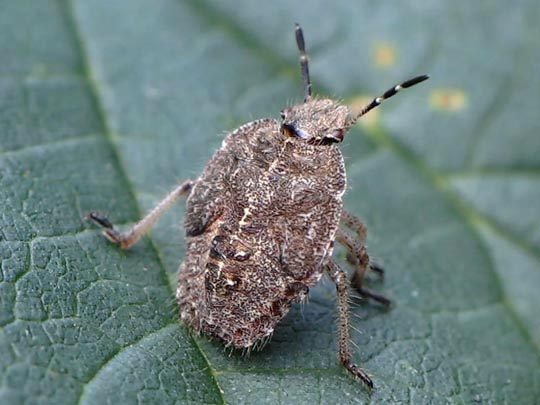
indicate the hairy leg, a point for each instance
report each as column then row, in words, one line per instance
column 356, row 224
column 362, row 263
column 339, row 277
column 132, row 235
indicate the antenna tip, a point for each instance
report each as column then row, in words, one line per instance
column 414, row 80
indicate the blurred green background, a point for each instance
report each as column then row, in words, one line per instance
column 106, row 105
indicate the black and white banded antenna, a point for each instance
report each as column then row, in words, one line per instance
column 386, row 95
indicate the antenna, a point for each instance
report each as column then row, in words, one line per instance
column 387, row 94
column 303, row 62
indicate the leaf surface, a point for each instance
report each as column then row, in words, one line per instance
column 107, row 105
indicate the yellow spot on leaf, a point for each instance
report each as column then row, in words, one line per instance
column 385, row 55
column 371, row 119
column 448, row 100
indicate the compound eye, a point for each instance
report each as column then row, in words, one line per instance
column 292, row 131
column 288, row 129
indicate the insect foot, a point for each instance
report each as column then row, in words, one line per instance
column 262, row 220
column 133, row 235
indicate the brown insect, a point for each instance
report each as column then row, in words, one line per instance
column 261, row 223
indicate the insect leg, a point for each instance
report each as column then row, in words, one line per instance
column 132, row 235
column 362, row 263
column 340, row 279
column 356, row 224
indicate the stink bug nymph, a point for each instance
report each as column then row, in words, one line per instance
column 261, row 222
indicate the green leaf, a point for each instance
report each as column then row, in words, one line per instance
column 107, row 105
